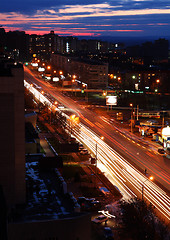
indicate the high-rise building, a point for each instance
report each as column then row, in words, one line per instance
column 17, row 44
column 12, row 128
column 93, row 73
column 2, row 39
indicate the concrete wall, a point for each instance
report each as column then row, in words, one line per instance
column 12, row 142
column 78, row 228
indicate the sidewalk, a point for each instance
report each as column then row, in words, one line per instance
column 44, row 144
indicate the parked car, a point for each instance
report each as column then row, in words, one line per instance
column 95, row 205
column 84, row 152
column 100, row 219
column 81, row 148
column 108, row 234
column 161, row 151
column 81, row 200
column 88, row 204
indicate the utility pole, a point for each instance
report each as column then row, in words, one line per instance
column 102, row 138
column 150, row 178
column 131, row 105
column 137, row 114
column 163, row 120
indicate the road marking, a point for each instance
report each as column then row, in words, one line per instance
column 98, row 124
column 89, row 122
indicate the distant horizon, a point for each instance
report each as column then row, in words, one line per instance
column 128, row 40
column 130, row 18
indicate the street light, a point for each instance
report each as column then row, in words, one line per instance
column 40, row 93
column 85, row 86
column 157, row 85
column 73, row 120
column 131, row 105
column 73, row 81
column 150, row 178
column 102, row 138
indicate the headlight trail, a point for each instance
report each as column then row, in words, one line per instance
column 123, row 173
column 117, row 169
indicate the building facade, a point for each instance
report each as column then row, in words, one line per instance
column 12, row 128
column 93, row 73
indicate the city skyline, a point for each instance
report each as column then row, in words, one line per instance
column 125, row 18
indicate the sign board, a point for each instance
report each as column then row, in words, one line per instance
column 55, row 79
column 41, row 69
column 111, row 100
column 67, row 83
column 34, row 64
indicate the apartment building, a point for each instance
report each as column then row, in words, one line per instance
column 93, row 73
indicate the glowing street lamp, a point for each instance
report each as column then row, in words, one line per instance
column 151, row 179
column 131, row 105
column 74, row 120
column 73, row 81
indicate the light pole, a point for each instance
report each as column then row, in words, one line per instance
column 131, row 105
column 137, row 114
column 102, row 138
column 73, row 120
column 40, row 93
column 72, row 85
column 150, row 178
column 86, row 92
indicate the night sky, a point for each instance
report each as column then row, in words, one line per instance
column 124, row 18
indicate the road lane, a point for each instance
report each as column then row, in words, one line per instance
column 112, row 163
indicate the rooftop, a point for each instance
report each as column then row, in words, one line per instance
column 47, row 196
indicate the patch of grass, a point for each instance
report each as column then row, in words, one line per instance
column 67, row 158
column 91, row 192
column 42, row 150
column 54, row 142
column 70, row 170
column 110, row 186
column 42, row 127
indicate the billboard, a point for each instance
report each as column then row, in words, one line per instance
column 111, row 100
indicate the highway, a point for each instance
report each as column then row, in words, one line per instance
column 119, row 157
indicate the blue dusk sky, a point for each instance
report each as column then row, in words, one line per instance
column 125, row 18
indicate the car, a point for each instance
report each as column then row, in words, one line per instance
column 161, row 151
column 108, row 234
column 100, row 219
column 84, row 152
column 94, row 205
column 81, row 148
column 81, row 200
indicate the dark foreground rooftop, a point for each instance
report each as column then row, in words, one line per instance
column 47, row 196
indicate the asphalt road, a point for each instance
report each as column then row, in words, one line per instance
column 136, row 152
